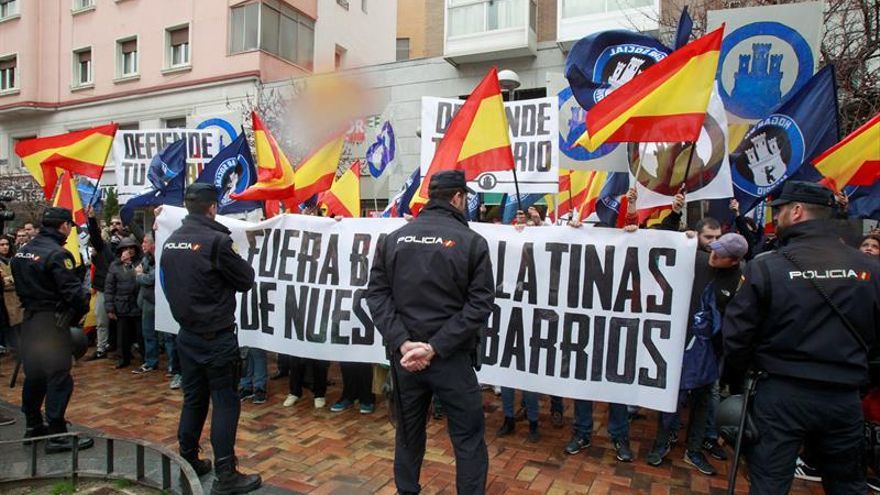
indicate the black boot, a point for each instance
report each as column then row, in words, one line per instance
column 201, row 466
column 228, row 481
column 35, row 431
column 507, row 427
column 534, row 435
column 65, row 444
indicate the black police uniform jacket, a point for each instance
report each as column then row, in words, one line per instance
column 432, row 282
column 779, row 323
column 200, row 273
column 46, row 278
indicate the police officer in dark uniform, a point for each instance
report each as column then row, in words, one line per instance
column 200, row 274
column 430, row 294
column 815, row 357
column 53, row 298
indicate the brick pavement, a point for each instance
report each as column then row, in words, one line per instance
column 313, row 451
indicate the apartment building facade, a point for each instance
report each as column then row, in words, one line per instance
column 72, row 64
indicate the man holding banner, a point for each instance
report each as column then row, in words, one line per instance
column 431, row 292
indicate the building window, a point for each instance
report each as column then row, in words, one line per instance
column 8, row 8
column 17, row 164
column 402, row 49
column 245, row 28
column 8, row 73
column 178, row 46
column 477, row 16
column 175, row 123
column 82, row 67
column 83, row 4
column 579, row 8
column 343, row 3
column 128, row 57
column 278, row 30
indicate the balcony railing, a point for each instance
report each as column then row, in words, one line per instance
column 489, row 29
column 578, row 18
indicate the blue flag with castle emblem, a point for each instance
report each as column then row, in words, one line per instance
column 232, row 171
column 776, row 147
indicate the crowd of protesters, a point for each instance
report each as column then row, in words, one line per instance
column 121, row 274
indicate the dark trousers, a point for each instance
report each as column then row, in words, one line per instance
column 454, row 381
column 127, row 334
column 298, row 367
column 698, row 399
column 357, row 382
column 46, row 359
column 210, row 375
column 282, row 361
column 789, row 411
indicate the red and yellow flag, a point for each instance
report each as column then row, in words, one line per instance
column 344, row 198
column 476, row 140
column 593, row 188
column 316, row 173
column 67, row 196
column 854, row 161
column 572, row 190
column 80, row 152
column 274, row 173
column 667, row 102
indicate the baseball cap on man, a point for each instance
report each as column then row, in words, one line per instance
column 57, row 214
column 449, row 179
column 201, row 191
column 730, row 245
column 796, row 191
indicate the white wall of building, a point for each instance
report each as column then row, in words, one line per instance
column 365, row 30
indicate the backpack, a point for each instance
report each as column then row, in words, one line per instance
column 699, row 366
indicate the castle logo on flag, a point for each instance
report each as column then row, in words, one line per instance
column 618, row 64
column 771, row 152
column 767, row 55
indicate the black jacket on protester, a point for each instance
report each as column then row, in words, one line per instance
column 104, row 255
column 46, row 277
column 779, row 323
column 432, row 281
column 121, row 289
column 200, row 274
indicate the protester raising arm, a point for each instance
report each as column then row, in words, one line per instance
column 673, row 220
column 95, row 238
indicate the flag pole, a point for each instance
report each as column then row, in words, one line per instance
column 509, row 80
column 687, row 169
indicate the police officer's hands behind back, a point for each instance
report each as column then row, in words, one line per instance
column 416, row 355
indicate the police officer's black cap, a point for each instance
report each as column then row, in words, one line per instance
column 795, row 191
column 449, row 179
column 201, row 191
column 57, row 214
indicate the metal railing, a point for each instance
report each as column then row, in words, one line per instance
column 189, row 480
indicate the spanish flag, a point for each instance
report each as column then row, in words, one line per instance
column 274, row 173
column 344, row 198
column 80, row 152
column 665, row 103
column 572, row 190
column 854, row 161
column 595, row 182
column 316, row 173
column 67, row 196
column 476, row 140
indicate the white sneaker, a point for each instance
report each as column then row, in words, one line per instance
column 175, row 382
column 497, row 390
column 803, row 471
column 290, row 400
column 320, row 402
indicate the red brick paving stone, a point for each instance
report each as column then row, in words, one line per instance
column 303, row 449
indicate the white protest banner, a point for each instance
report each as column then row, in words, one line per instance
column 586, row 313
column 533, row 126
column 133, row 150
column 661, row 166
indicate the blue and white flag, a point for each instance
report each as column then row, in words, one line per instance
column 511, row 205
column 167, row 175
column 778, row 145
column 398, row 206
column 383, row 151
column 231, row 171
column 473, row 207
